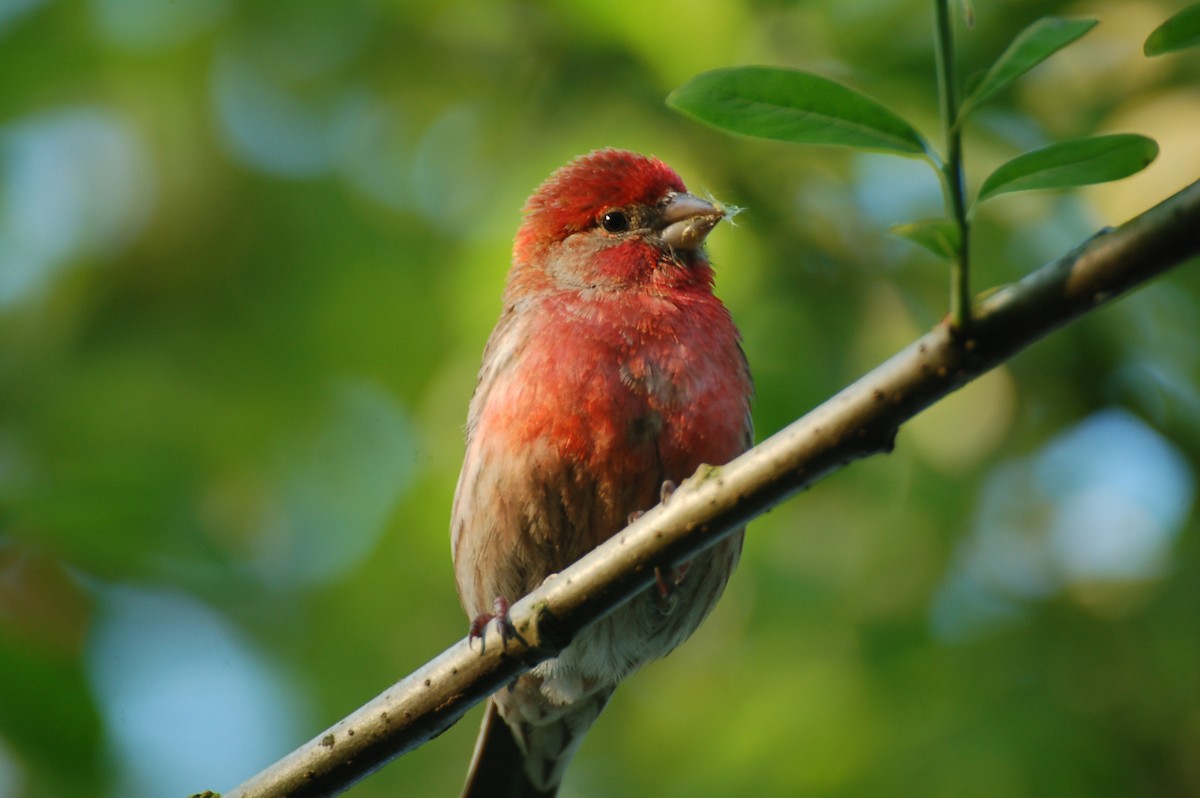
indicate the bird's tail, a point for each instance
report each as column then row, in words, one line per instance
column 533, row 765
column 497, row 768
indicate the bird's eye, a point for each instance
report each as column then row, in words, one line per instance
column 615, row 222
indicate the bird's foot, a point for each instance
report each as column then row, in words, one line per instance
column 665, row 492
column 504, row 626
column 666, row 582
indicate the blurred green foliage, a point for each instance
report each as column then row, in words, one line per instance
column 249, row 255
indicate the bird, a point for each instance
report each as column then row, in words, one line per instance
column 613, row 373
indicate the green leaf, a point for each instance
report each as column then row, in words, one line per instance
column 795, row 106
column 1177, row 33
column 1077, row 162
column 1032, row 46
column 940, row 236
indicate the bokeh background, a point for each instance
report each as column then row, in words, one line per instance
column 249, row 256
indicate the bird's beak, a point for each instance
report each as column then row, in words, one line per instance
column 687, row 220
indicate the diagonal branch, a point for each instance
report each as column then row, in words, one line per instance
column 860, row 421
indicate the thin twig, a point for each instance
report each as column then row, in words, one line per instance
column 952, row 169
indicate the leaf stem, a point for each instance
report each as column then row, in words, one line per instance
column 952, row 168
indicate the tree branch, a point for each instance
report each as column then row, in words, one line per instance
column 860, row 421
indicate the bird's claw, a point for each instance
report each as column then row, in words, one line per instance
column 666, row 491
column 504, row 626
column 660, row 582
column 666, row 581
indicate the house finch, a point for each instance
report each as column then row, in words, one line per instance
column 612, row 372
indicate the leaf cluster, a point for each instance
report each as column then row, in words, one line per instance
column 801, row 107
